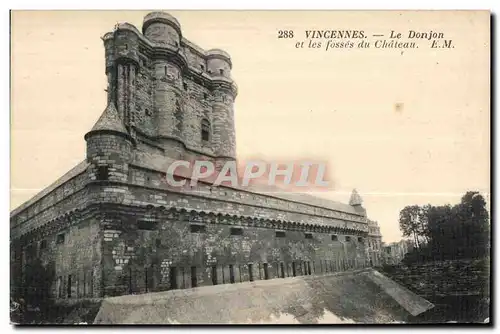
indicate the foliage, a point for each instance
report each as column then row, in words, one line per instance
column 447, row 232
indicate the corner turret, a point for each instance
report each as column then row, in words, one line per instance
column 162, row 28
column 109, row 147
column 355, row 199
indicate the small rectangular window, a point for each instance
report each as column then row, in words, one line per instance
column 280, row 234
column 347, row 238
column 185, row 86
column 202, row 67
column 43, row 244
column 308, row 236
column 236, row 231
column 195, row 228
column 145, row 225
column 266, row 271
column 221, row 71
column 205, row 135
column 60, row 238
column 360, row 239
column 205, row 96
column 334, row 237
column 102, row 173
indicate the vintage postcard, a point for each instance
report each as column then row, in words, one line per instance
column 250, row 167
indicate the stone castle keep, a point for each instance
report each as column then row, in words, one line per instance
column 111, row 226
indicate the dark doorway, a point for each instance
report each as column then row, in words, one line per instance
column 266, row 271
column 231, row 273
column 173, row 278
column 282, row 265
column 250, row 272
column 214, row 275
column 294, row 270
column 69, row 286
column 194, row 279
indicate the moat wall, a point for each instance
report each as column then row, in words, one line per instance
column 156, row 256
column 361, row 296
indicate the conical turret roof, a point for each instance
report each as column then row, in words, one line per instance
column 355, row 198
column 110, row 120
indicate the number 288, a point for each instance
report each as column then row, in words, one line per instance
column 285, row 33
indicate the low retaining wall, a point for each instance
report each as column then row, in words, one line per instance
column 363, row 296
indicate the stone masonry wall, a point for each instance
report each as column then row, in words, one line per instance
column 75, row 201
column 161, row 246
column 77, row 260
column 71, row 257
column 197, row 106
column 232, row 200
column 159, row 96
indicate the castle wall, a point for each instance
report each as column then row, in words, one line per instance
column 70, row 257
column 146, row 115
column 76, row 260
column 133, row 256
column 63, row 199
column 108, row 219
column 198, row 106
column 223, row 124
column 229, row 200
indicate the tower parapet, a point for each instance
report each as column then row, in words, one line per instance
column 219, row 63
column 163, row 28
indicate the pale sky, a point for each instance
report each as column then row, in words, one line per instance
column 336, row 105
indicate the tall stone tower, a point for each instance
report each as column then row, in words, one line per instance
column 173, row 97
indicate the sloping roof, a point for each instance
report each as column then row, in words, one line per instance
column 110, row 120
column 161, row 163
column 313, row 200
column 81, row 167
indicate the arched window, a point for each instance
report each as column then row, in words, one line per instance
column 205, row 130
